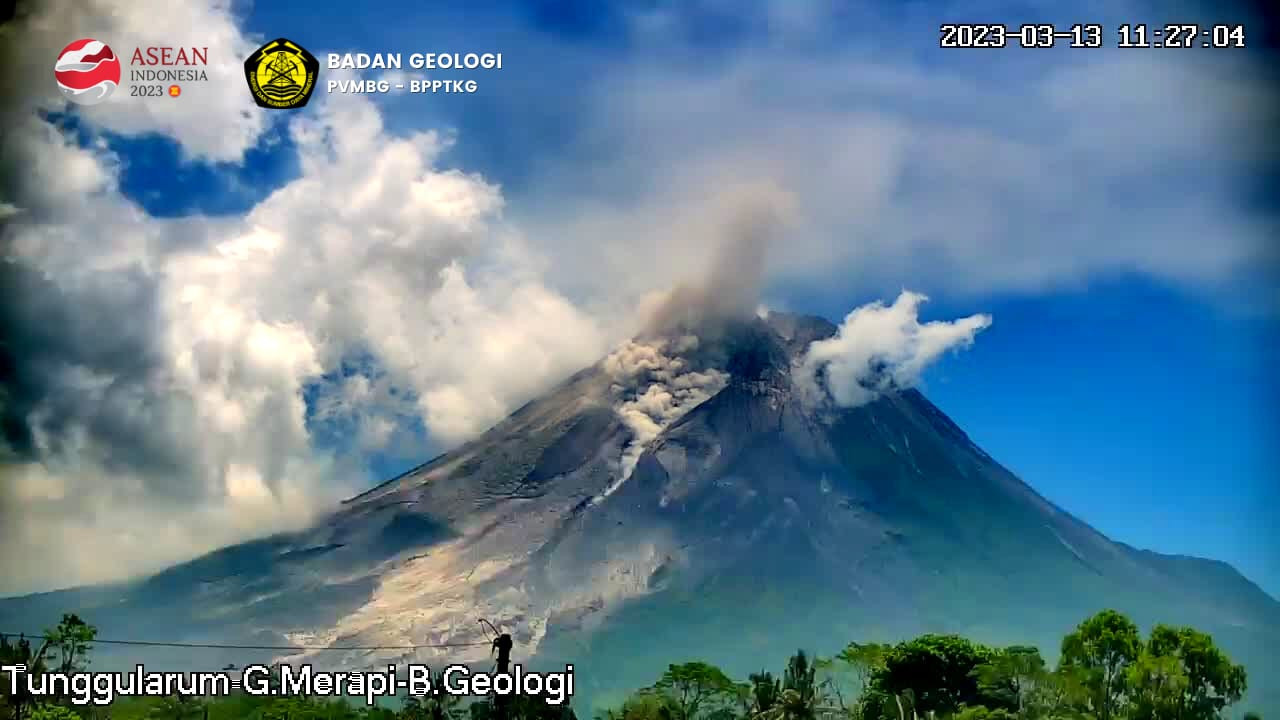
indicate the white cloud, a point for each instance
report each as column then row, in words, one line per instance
column 932, row 176
column 398, row 80
column 214, row 120
column 879, row 348
column 165, row 360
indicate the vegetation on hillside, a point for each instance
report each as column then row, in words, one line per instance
column 1106, row 671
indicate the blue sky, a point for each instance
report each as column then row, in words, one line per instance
column 1104, row 206
column 1146, row 412
column 1142, row 405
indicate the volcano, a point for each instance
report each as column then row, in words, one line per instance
column 687, row 497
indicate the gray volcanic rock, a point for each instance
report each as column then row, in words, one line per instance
column 678, row 500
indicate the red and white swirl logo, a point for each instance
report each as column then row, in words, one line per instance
column 87, row 71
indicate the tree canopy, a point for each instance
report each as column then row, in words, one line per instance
column 938, row 669
column 1103, row 647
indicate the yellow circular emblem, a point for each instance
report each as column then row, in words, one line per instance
column 281, row 74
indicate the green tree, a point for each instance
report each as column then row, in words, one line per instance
column 69, row 644
column 937, row 669
column 906, row 704
column 523, row 707
column 294, row 707
column 1156, row 685
column 337, row 709
column 370, row 712
column 765, row 691
column 788, row 707
column 800, row 693
column 178, row 707
column 54, row 712
column 694, row 686
column 414, row 707
column 874, row 704
column 722, row 712
column 848, row 674
column 483, row 710
column 1010, row 677
column 19, row 704
column 1059, row 695
column 1209, row 680
column 980, row 712
column 1103, row 646
column 643, row 705
column 448, row 707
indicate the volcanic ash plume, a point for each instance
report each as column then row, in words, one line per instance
column 655, row 389
column 741, row 226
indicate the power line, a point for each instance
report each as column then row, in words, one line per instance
column 218, row 646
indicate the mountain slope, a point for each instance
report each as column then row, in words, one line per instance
column 682, row 499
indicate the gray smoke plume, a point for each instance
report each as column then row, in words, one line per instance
column 655, row 386
column 743, row 224
column 657, row 377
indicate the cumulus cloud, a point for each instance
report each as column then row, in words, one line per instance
column 162, row 376
column 397, row 80
column 216, row 119
column 879, row 348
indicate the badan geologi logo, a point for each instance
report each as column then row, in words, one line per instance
column 87, row 71
column 281, row 75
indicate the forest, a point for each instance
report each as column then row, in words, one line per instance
column 1106, row 670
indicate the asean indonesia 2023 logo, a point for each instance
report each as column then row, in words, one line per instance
column 87, row 71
